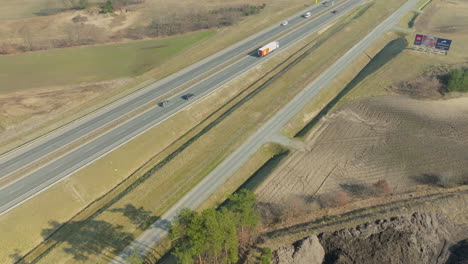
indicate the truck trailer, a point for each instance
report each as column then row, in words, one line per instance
column 268, row 48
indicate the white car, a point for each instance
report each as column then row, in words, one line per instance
column 307, row 14
column 284, row 23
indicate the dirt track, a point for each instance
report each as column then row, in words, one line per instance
column 402, row 140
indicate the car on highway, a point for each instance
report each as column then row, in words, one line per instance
column 163, row 103
column 335, row 12
column 308, row 14
column 284, row 23
column 187, row 96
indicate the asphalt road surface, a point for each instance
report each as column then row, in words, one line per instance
column 24, row 188
column 220, row 174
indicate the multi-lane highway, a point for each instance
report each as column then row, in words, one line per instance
column 267, row 132
column 38, row 180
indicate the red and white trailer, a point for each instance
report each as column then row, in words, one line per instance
column 268, row 48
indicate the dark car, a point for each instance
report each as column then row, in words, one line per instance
column 163, row 103
column 187, row 96
column 335, row 12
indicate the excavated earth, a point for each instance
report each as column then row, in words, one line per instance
column 415, row 238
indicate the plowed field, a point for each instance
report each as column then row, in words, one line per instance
column 405, row 141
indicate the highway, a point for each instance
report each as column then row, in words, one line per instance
column 266, row 133
column 42, row 178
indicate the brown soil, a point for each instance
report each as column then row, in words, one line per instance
column 416, row 238
column 405, row 141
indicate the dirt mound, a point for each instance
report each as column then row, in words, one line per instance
column 307, row 251
column 417, row 238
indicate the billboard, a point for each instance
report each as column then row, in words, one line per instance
column 432, row 42
column 443, row 44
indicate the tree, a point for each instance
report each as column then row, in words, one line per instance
column 383, row 187
column 266, row 256
column 221, row 236
column 190, row 233
column 107, row 7
column 27, row 37
column 241, row 204
column 212, row 236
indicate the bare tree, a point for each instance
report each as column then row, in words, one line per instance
column 27, row 36
column 383, row 187
column 334, row 199
column 7, row 48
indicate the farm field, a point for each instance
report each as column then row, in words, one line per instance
column 404, row 141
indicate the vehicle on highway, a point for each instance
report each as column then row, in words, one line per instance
column 163, row 103
column 268, row 48
column 308, row 14
column 335, row 12
column 284, row 23
column 187, row 96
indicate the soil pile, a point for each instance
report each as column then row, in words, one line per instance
column 307, row 251
column 417, row 238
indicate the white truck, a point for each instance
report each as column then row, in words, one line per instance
column 268, row 48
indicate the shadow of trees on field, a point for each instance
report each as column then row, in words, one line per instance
column 427, row 179
column 85, row 238
column 390, row 50
column 359, row 190
column 89, row 237
column 16, row 256
column 138, row 216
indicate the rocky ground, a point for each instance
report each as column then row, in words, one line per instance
column 416, row 238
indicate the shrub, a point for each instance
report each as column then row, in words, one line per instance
column 334, row 199
column 107, row 7
column 82, row 4
column 266, row 256
column 458, row 81
column 383, row 187
column 7, row 48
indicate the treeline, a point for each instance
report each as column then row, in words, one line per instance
column 78, row 33
column 458, row 81
column 215, row 236
column 107, row 6
column 195, row 20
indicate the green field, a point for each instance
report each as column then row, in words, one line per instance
column 89, row 64
column 14, row 9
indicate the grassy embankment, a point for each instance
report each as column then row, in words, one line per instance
column 170, row 180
